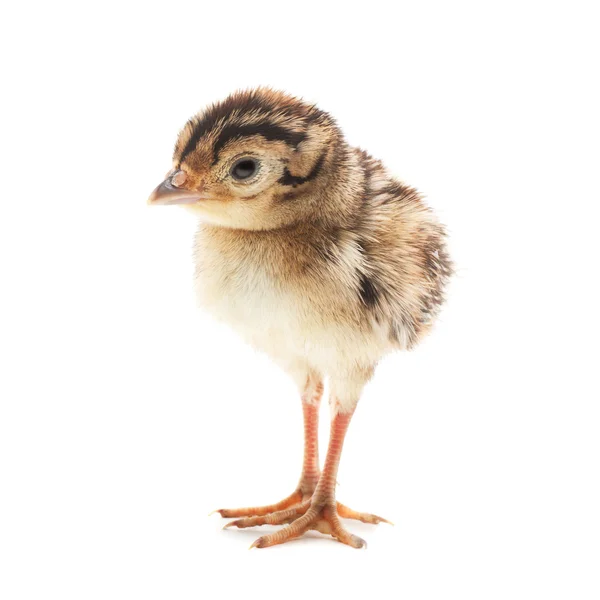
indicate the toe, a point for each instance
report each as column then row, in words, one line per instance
column 347, row 513
column 254, row 511
column 344, row 536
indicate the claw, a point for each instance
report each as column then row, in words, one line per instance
column 256, row 543
column 360, row 543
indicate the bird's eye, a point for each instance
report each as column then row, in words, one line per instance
column 244, row 168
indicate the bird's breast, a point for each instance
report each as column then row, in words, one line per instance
column 304, row 313
column 251, row 295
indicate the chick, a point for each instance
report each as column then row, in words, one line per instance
column 315, row 255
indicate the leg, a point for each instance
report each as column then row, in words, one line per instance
column 322, row 512
column 311, row 399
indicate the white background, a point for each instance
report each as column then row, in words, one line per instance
column 127, row 415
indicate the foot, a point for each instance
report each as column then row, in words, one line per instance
column 310, row 514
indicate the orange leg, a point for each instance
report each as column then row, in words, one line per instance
column 321, row 512
column 311, row 399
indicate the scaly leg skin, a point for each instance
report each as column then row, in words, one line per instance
column 311, row 399
column 322, row 511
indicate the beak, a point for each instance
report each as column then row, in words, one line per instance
column 168, row 193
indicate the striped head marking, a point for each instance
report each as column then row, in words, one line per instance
column 242, row 162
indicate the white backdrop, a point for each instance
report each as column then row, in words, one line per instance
column 127, row 415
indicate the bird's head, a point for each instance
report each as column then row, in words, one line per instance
column 254, row 161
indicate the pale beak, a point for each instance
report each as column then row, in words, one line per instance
column 168, row 193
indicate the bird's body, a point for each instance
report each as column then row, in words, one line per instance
column 323, row 296
column 328, row 264
column 303, row 319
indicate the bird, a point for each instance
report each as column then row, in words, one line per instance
column 314, row 254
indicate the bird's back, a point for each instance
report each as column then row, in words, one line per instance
column 406, row 264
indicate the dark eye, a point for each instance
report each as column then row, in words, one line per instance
column 244, row 168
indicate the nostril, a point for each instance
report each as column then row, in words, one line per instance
column 178, row 178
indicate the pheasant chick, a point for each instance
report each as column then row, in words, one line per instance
column 315, row 255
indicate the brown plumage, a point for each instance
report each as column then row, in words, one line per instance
column 315, row 255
